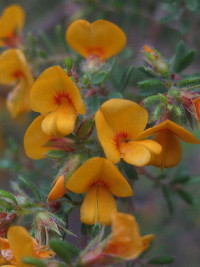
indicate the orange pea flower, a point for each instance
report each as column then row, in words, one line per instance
column 99, row 178
column 14, row 70
column 11, row 25
column 125, row 243
column 19, row 245
column 59, row 189
column 119, row 124
column 101, row 38
column 167, row 135
column 35, row 140
column 57, row 97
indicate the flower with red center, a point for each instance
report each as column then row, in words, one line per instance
column 167, row 135
column 14, row 70
column 119, row 124
column 99, row 178
column 101, row 39
column 57, row 97
column 11, row 25
column 125, row 243
column 19, row 245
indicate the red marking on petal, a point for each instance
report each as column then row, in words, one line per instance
column 60, row 97
column 122, row 136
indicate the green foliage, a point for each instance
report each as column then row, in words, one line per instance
column 8, row 195
column 34, row 262
column 56, row 154
column 64, row 250
column 126, row 78
column 183, row 57
column 152, row 87
column 99, row 77
column 186, row 196
column 167, row 193
column 165, row 259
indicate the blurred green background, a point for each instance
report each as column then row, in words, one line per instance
column 161, row 24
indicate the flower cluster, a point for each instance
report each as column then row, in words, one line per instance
column 90, row 145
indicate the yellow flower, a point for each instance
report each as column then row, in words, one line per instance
column 15, row 70
column 125, row 243
column 11, row 24
column 19, row 245
column 119, row 124
column 167, row 135
column 101, row 38
column 35, row 140
column 99, row 178
column 57, row 97
column 196, row 103
column 59, row 189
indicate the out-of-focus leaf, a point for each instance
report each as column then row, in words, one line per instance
column 115, row 95
column 8, row 195
column 165, row 259
column 129, row 170
column 126, row 78
column 168, row 197
column 99, row 77
column 181, row 179
column 31, row 186
column 93, row 103
column 34, row 262
column 191, row 5
column 64, row 250
column 56, row 154
column 186, row 196
column 194, row 180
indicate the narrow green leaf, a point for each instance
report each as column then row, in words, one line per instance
column 115, row 95
column 47, row 41
column 5, row 206
column 56, row 154
column 191, row 5
column 165, row 259
column 64, row 250
column 186, row 196
column 6, row 194
column 188, row 82
column 181, row 179
column 34, row 262
column 168, row 198
column 31, row 186
column 194, row 180
column 93, row 103
column 126, row 78
column 100, row 77
column 152, row 87
column 149, row 73
column 184, row 61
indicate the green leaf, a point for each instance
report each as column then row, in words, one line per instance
column 149, row 73
column 152, row 87
column 99, row 77
column 186, row 196
column 183, row 58
column 167, row 195
column 126, row 78
column 5, row 206
column 64, row 250
column 31, row 186
column 115, row 95
column 34, row 262
column 165, row 259
column 128, row 170
column 189, row 81
column 56, row 154
column 181, row 179
column 194, row 180
column 8, row 195
column 93, row 103
column 191, row 5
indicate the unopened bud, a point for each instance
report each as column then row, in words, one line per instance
column 85, row 128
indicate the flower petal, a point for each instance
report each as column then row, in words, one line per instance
column 135, row 153
column 59, row 189
column 119, row 116
column 171, row 150
column 98, row 206
column 181, row 132
column 11, row 21
column 51, row 88
column 100, row 38
column 126, row 241
column 99, row 170
column 21, row 244
column 34, row 140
